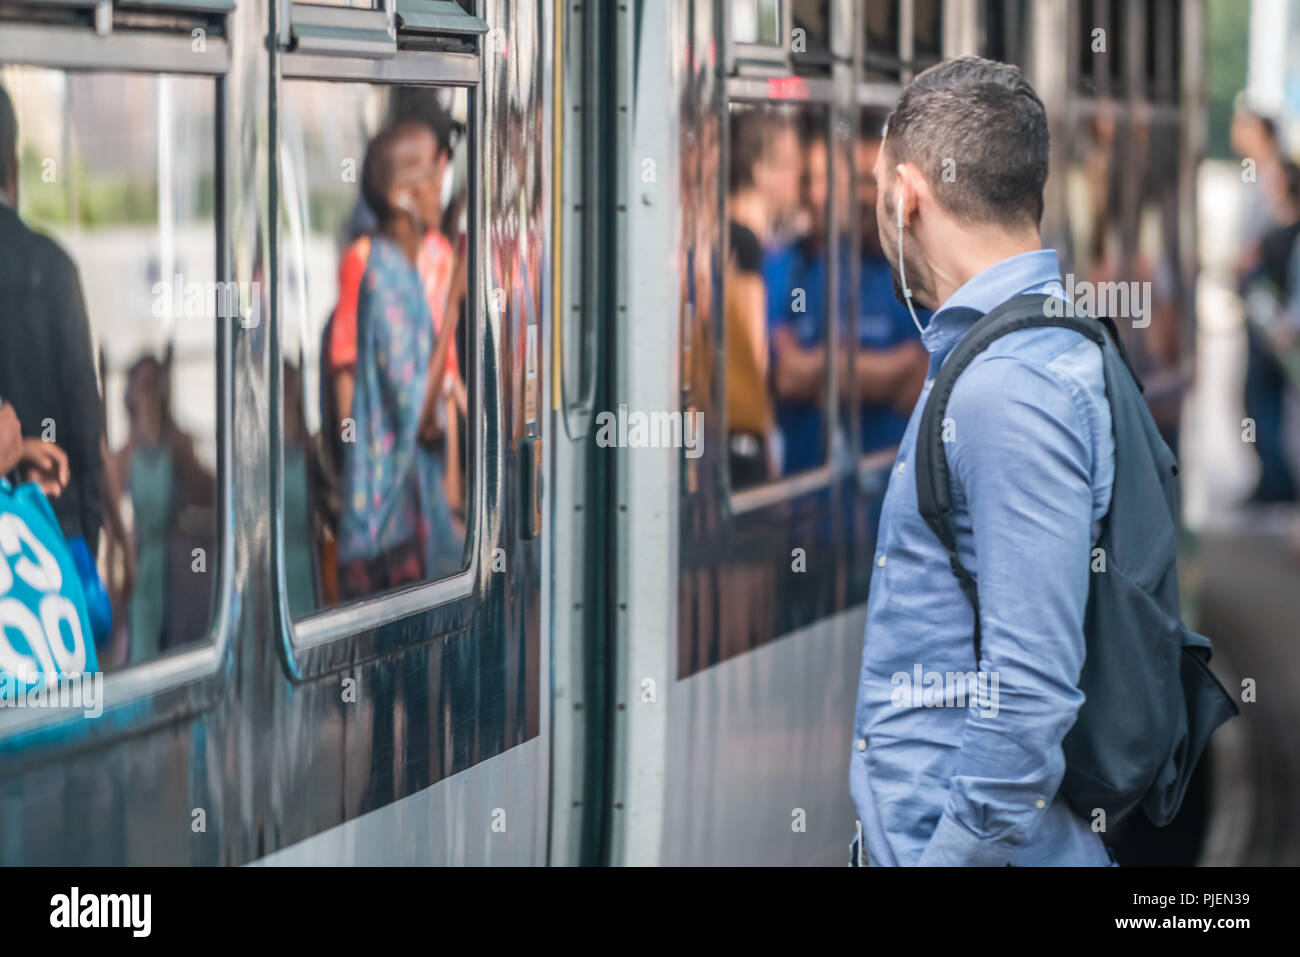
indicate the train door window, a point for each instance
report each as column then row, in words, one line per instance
column 110, row 314
column 881, row 54
column 374, row 337
column 776, row 300
column 886, row 361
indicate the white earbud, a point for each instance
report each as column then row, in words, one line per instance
column 902, row 275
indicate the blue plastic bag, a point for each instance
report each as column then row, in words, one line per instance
column 45, row 629
column 98, row 605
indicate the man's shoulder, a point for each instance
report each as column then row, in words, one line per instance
column 1043, row 369
column 1045, row 353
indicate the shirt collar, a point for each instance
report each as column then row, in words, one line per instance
column 984, row 292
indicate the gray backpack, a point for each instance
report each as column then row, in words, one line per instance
column 1151, row 701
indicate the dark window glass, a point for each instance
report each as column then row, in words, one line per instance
column 880, row 57
column 1005, row 26
column 1091, row 65
column 811, row 35
column 927, row 33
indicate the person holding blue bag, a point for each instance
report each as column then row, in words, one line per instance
column 47, row 371
column 45, row 628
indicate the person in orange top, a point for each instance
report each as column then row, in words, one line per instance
column 443, row 274
column 436, row 265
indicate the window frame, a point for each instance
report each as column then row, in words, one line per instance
column 758, row 58
column 332, row 638
column 186, row 681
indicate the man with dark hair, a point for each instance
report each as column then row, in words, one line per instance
column 47, row 373
column 939, row 780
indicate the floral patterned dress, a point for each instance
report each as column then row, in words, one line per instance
column 395, row 527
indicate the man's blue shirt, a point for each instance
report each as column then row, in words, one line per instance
column 942, row 780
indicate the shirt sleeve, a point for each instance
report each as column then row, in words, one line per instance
column 1021, row 458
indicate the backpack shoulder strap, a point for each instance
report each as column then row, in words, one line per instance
column 933, row 481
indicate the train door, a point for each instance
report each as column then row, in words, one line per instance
column 411, row 132
column 743, row 553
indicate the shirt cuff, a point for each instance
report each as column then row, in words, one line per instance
column 952, row 845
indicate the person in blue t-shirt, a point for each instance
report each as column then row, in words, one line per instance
column 890, row 363
column 795, row 278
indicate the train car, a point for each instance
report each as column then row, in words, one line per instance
column 637, row 633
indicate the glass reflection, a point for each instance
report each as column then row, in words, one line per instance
column 375, row 398
column 767, row 216
column 109, row 244
column 889, row 363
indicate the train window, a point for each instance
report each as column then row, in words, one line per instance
column 115, row 361
column 375, row 342
column 1005, row 27
column 881, row 56
column 886, row 364
column 355, row 4
column 1090, row 77
column 810, row 39
column 1116, row 46
column 1163, row 37
column 757, row 22
column 775, row 291
column 927, row 33
column 1100, row 47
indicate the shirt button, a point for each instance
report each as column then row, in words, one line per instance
column 1040, row 804
column 862, row 744
column 901, row 467
column 881, row 561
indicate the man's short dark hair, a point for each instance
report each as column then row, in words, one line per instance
column 980, row 123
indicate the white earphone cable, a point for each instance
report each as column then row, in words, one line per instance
column 902, row 275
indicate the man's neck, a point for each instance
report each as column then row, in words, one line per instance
column 964, row 254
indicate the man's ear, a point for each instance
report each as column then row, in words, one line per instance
column 909, row 190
